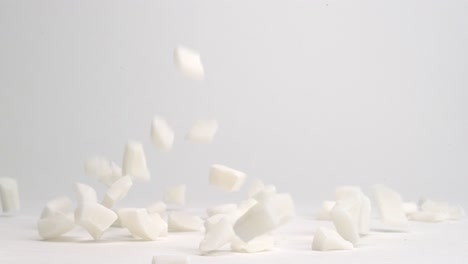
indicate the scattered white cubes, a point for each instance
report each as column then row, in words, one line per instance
column 325, row 210
column 258, row 244
column 225, row 178
column 141, row 224
column 218, row 235
column 182, row 222
column 103, row 170
column 203, row 131
column 328, row 239
column 188, row 63
column 134, row 162
column 175, row 195
column 162, row 134
column 85, row 194
column 9, row 195
column 344, row 221
column 117, row 191
column 171, row 259
column 95, row 218
column 56, row 218
column 390, row 206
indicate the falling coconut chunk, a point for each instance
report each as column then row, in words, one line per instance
column 141, row 224
column 171, row 259
column 95, row 218
column 265, row 194
column 103, row 170
column 390, row 206
column 256, row 187
column 188, row 63
column 9, row 195
column 203, row 131
column 258, row 244
column 325, row 210
column 180, row 222
column 328, row 239
column 245, row 206
column 56, row 218
column 117, row 191
column 162, row 134
column 134, row 162
column 175, row 195
column 157, row 208
column 62, row 204
column 85, row 194
column 217, row 236
column 345, row 222
column 225, row 178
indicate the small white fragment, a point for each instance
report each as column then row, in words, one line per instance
column 175, row 195
column 258, row 244
column 62, row 204
column 9, row 195
column 218, row 235
column 325, row 210
column 55, row 225
column 422, row 216
column 157, row 207
column 264, row 217
column 203, row 131
column 345, row 222
column 390, row 206
column 171, row 259
column 188, row 63
column 180, row 222
column 134, row 162
column 117, row 191
column 103, row 170
column 162, row 134
column 95, row 218
column 257, row 186
column 141, row 224
column 85, row 194
column 328, row 239
column 225, row 178
column 410, row 208
column 221, row 209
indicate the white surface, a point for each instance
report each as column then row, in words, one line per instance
column 425, row 243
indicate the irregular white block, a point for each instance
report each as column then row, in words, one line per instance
column 171, row 259
column 258, row 244
column 225, row 178
column 221, row 209
column 188, row 63
column 266, row 193
column 351, row 196
column 328, row 239
column 257, row 186
column 456, row 212
column 162, row 134
column 217, row 236
column 9, row 195
column 265, row 217
column 213, row 220
column 345, row 222
column 62, row 204
column 55, row 225
column 117, row 191
column 325, row 210
column 410, row 208
column 103, row 170
column 245, row 206
column 427, row 216
column 85, row 194
column 141, row 224
column 203, row 131
column 164, row 227
column 134, row 162
column 180, row 221
column 390, row 206
column 365, row 215
column 157, row 207
column 95, row 218
column 175, row 195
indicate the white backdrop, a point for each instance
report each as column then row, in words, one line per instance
column 308, row 94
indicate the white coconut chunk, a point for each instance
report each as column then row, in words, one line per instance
column 217, row 236
column 162, row 134
column 117, row 191
column 265, row 217
column 213, row 220
column 325, row 210
column 256, row 186
column 410, row 207
column 328, row 239
column 245, row 206
column 62, row 204
column 157, row 207
column 221, row 209
column 390, row 207
column 180, row 222
column 365, row 215
column 95, row 218
column 85, row 194
column 266, row 193
column 175, row 195
column 189, row 63
column 141, row 224
column 134, row 162
column 9, row 195
column 456, row 212
column 345, row 222
column 225, row 178
column 55, row 225
column 258, row 244
column 103, row 170
column 164, row 228
column 203, row 131
column 421, row 216
column 171, row 259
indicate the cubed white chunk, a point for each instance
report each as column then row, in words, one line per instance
column 85, row 194
column 390, row 206
column 225, row 178
column 171, row 259
column 221, row 209
column 264, row 217
column 422, row 216
column 188, row 63
column 157, row 207
column 103, row 170
column 203, row 131
column 55, row 225
column 328, row 239
column 345, row 222
column 217, row 236
column 134, row 162
column 245, row 206
column 410, row 207
column 258, row 244
column 162, row 134
column 175, row 195
column 141, row 224
column 256, row 186
column 325, row 210
column 62, row 204
column 180, row 222
column 117, row 191
column 9, row 195
column 95, row 218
